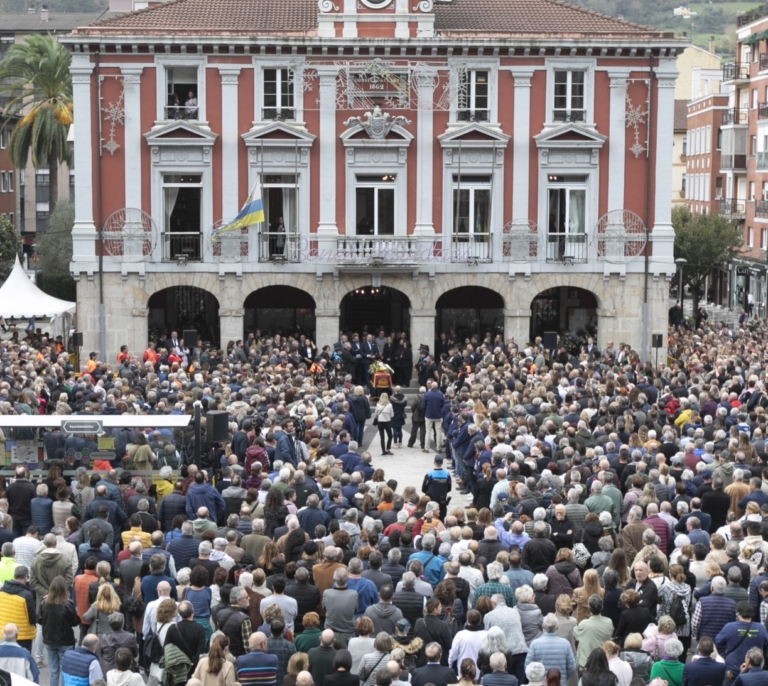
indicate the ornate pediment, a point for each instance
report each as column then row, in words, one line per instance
column 474, row 134
column 376, row 124
column 570, row 135
column 277, row 133
column 180, row 133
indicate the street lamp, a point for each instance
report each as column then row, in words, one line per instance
column 681, row 262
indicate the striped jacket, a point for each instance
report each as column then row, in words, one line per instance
column 257, row 667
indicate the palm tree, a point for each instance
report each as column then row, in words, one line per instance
column 35, row 76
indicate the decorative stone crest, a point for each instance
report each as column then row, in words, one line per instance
column 377, row 124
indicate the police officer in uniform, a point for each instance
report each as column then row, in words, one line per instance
column 437, row 485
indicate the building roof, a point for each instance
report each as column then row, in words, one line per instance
column 30, row 22
column 681, row 115
column 286, row 17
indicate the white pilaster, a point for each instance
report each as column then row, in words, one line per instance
column 521, row 138
column 663, row 234
column 132, row 130
column 425, row 86
column 350, row 24
column 617, row 137
column 84, row 231
column 328, row 141
column 229, row 141
column 326, row 327
column 423, row 328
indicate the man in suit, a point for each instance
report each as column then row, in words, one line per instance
column 434, row 672
column 173, row 342
column 705, row 670
column 370, row 351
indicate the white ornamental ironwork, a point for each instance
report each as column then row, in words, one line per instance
column 520, row 240
column 114, row 114
column 621, row 236
column 129, row 233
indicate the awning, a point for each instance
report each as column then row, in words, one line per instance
column 21, row 299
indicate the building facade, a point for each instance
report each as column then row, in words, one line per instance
column 481, row 165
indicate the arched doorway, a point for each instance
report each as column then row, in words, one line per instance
column 565, row 310
column 372, row 308
column 180, row 308
column 280, row 309
column 469, row 311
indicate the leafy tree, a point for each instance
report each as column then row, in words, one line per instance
column 10, row 246
column 705, row 241
column 34, row 75
column 54, row 253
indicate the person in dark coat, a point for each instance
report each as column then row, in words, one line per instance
column 705, row 670
column 432, row 629
column 539, row 553
column 433, row 672
column 321, row 658
column 635, row 618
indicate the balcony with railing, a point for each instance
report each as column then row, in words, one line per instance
column 567, row 247
column 735, row 116
column 730, row 207
column 761, row 208
column 733, row 161
column 762, row 110
column 383, row 250
column 471, row 247
column 278, row 246
column 761, row 161
column 569, row 115
column 472, row 115
column 278, row 114
column 173, row 112
column 734, row 71
column 183, row 246
column 752, row 15
column 763, row 61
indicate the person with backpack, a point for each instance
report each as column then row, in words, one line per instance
column 152, row 649
column 675, row 602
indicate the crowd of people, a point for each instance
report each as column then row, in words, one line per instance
column 615, row 531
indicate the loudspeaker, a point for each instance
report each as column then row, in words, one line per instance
column 190, row 338
column 77, row 339
column 657, row 340
column 217, row 426
column 550, row 340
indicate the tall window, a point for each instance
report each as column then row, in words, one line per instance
column 279, row 196
column 471, row 208
column 567, row 217
column 719, row 188
column 182, row 91
column 473, row 100
column 569, row 96
column 750, row 236
column 278, row 95
column 182, row 217
column 3, row 182
column 10, row 182
column 375, row 205
column 682, row 188
column 763, row 239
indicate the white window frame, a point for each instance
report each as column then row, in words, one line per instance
column 10, row 182
column 178, row 184
column 377, row 186
column 3, row 183
column 474, row 65
column 572, row 64
column 3, row 138
column 750, row 236
column 472, row 187
column 708, row 139
column 260, row 64
column 763, row 239
column 471, row 95
column 162, row 63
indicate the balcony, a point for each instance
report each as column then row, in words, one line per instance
column 567, row 247
column 278, row 246
column 472, row 115
column 762, row 110
column 735, row 116
column 569, row 115
column 471, row 248
column 761, row 208
column 180, row 112
column 752, row 15
column 183, row 246
column 735, row 72
column 734, row 162
column 732, row 208
column 367, row 251
column 277, row 114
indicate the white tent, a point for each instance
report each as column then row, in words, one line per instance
column 21, row 299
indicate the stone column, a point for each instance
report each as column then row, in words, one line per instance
column 326, row 327
column 607, row 331
column 132, row 129
column 84, row 231
column 521, row 142
column 426, row 80
column 663, row 235
column 517, row 323
column 327, row 230
column 617, row 140
column 423, row 329
column 139, row 333
column 229, row 141
column 231, row 324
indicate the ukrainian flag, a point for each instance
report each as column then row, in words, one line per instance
column 252, row 212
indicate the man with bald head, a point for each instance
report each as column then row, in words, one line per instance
column 257, row 666
column 321, row 658
column 131, row 568
column 150, row 611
